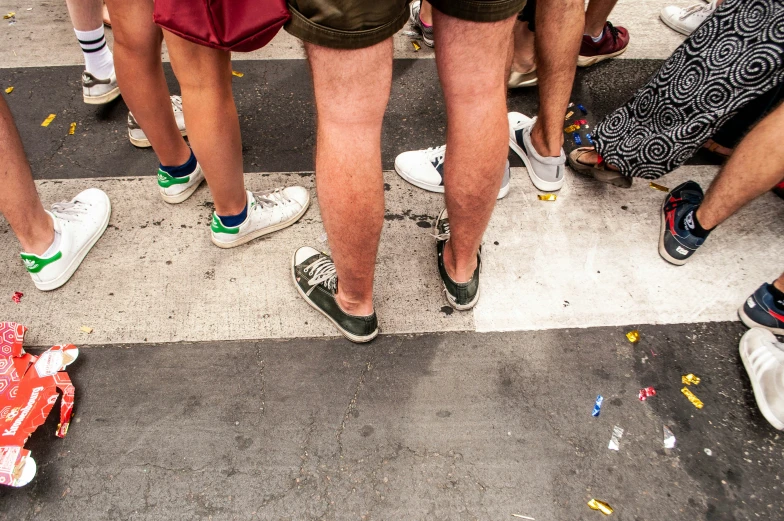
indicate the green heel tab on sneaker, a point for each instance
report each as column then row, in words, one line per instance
column 218, row 227
column 34, row 263
column 165, row 180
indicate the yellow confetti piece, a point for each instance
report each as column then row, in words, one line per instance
column 572, row 128
column 660, row 187
column 9, row 90
column 693, row 399
column 72, row 129
column 569, row 115
column 601, row 506
column 48, row 120
column 86, row 329
column 633, row 336
column 237, row 74
column 547, row 197
column 690, row 379
column 9, row 15
column 416, row 46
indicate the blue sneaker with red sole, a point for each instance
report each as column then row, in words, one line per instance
column 676, row 241
column 762, row 310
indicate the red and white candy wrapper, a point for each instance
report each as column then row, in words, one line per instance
column 28, row 391
column 646, row 393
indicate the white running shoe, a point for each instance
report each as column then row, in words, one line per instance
column 175, row 190
column 78, row 224
column 97, row 91
column 687, row 20
column 425, row 169
column 267, row 212
column 139, row 138
column 763, row 357
column 546, row 173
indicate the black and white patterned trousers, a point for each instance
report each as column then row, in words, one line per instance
column 734, row 57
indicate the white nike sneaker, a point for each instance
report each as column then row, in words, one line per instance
column 177, row 189
column 546, row 173
column 267, row 212
column 97, row 91
column 687, row 20
column 139, row 138
column 425, row 169
column 78, row 225
column 763, row 357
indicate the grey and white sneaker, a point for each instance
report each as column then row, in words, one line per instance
column 78, row 224
column 687, row 20
column 97, row 91
column 267, row 212
column 137, row 135
column 763, row 357
column 546, row 173
column 425, row 169
column 416, row 23
column 460, row 295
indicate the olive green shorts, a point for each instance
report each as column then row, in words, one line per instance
column 354, row 24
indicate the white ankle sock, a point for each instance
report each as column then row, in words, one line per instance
column 98, row 59
column 53, row 248
column 597, row 39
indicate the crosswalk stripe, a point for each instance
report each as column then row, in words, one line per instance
column 580, row 261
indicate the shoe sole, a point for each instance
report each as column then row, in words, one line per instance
column 673, row 27
column 354, row 338
column 503, row 192
column 460, row 307
column 523, row 84
column 176, row 199
column 605, row 176
column 544, row 186
column 751, row 323
column 757, row 388
column 145, row 143
column 263, row 231
column 77, row 261
column 587, row 61
column 662, row 250
column 103, row 99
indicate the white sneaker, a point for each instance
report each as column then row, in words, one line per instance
column 98, row 91
column 425, row 169
column 686, row 21
column 177, row 189
column 546, row 173
column 137, row 135
column 79, row 224
column 763, row 357
column 267, row 212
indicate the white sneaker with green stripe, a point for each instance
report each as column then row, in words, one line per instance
column 267, row 212
column 78, row 224
column 177, row 189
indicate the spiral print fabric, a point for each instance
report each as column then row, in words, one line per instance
column 731, row 59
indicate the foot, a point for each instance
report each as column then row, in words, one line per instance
column 522, row 79
column 460, row 295
column 316, row 281
column 546, row 173
column 585, row 161
column 267, row 212
column 417, row 25
column 98, row 91
column 687, row 20
column 763, row 357
column 425, row 169
column 136, row 134
column 175, row 190
column 78, row 224
column 762, row 310
column 614, row 42
column 676, row 241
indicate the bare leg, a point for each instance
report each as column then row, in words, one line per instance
column 348, row 161
column 426, row 12
column 137, row 61
column 211, row 117
column 86, row 15
column 19, row 201
column 596, row 16
column 473, row 168
column 559, row 30
column 755, row 167
column 523, row 59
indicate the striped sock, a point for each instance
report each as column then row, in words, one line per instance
column 98, row 59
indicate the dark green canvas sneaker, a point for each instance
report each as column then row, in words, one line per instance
column 459, row 295
column 317, row 281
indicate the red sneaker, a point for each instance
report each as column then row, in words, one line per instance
column 614, row 42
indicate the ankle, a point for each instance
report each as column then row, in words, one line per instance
column 594, row 31
column 523, row 64
column 39, row 238
column 545, row 146
column 352, row 305
column 779, row 284
column 458, row 270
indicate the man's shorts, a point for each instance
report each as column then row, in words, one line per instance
column 354, row 24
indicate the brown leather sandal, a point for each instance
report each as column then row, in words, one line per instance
column 600, row 173
column 714, row 147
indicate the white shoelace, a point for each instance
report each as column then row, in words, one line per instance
column 69, row 211
column 436, row 154
column 697, row 8
column 271, row 199
column 176, row 102
column 322, row 272
column 443, row 236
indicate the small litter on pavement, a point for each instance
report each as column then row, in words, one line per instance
column 659, row 187
column 646, row 393
column 86, row 329
column 669, row 437
column 601, row 506
column 597, row 406
column 708, row 452
column 615, row 441
column 633, row 336
column 48, row 120
column 693, row 399
column 9, row 16
column 9, row 90
column 520, row 516
column 690, row 379
column 17, row 296
column 547, row 197
column 237, row 74
column 416, row 46
column 72, row 129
